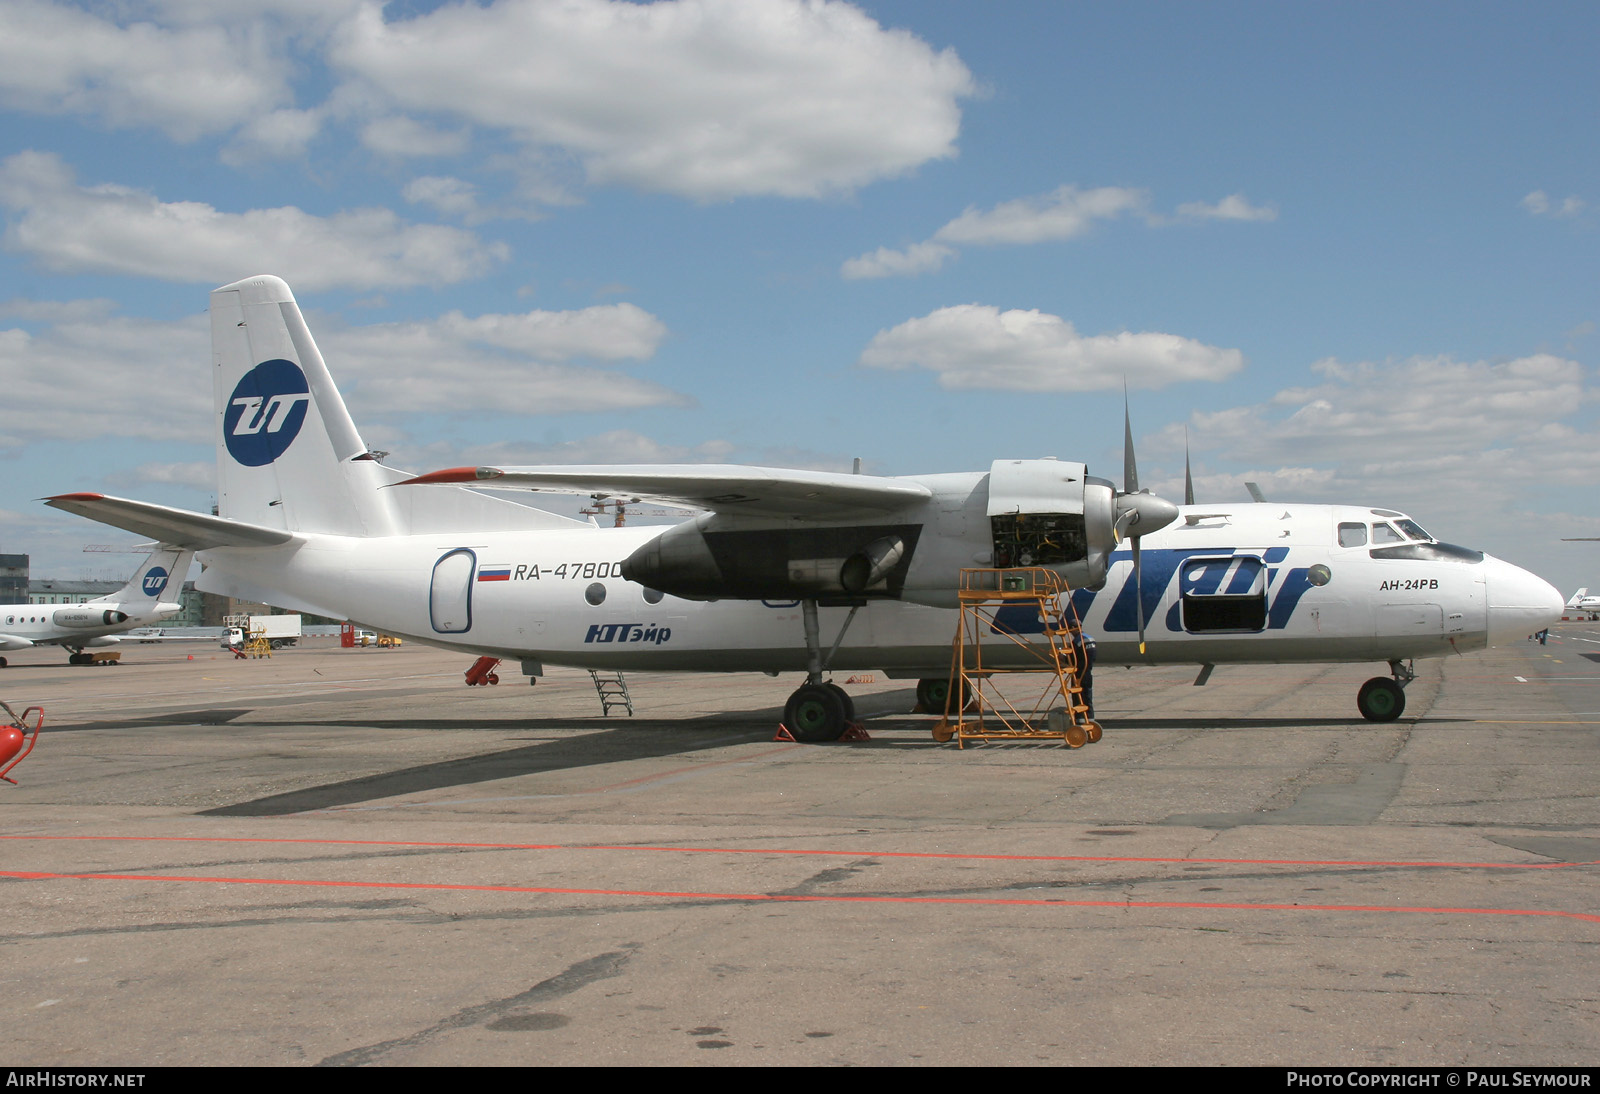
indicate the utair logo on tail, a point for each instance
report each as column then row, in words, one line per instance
column 155, row 580
column 265, row 412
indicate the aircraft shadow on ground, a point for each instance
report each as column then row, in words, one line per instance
column 639, row 739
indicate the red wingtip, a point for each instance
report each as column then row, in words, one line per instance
column 449, row 474
column 74, row 497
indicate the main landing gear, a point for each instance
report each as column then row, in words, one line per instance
column 819, row 710
column 933, row 693
column 1383, row 699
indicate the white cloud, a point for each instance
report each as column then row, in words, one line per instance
column 1232, row 207
column 709, row 99
column 979, row 346
column 398, row 135
column 1416, row 410
column 1470, row 443
column 613, row 446
column 1538, row 203
column 452, row 196
column 1065, row 213
column 915, row 259
column 605, row 332
column 188, row 81
column 1062, row 214
column 280, row 134
column 95, row 376
column 57, row 311
column 503, row 364
column 149, row 380
column 114, row 229
column 199, row 475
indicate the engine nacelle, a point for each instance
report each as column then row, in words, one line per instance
column 88, row 616
column 1049, row 514
column 712, row 558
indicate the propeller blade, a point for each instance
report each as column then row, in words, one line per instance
column 1130, row 466
column 1138, row 591
column 1188, row 479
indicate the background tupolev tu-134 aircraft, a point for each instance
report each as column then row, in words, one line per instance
column 97, row 622
column 788, row 571
column 1584, row 603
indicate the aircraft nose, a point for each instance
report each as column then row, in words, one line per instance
column 1520, row 603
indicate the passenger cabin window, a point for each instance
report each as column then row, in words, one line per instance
column 1352, row 535
column 1385, row 533
column 1038, row 539
column 1224, row 595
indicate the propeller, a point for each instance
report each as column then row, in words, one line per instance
column 1188, row 479
column 1138, row 511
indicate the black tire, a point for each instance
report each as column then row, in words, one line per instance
column 1381, row 700
column 815, row 713
column 844, row 697
column 80, row 658
column 2, row 662
column 932, row 692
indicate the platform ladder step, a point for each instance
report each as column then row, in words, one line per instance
column 1059, row 710
column 613, row 692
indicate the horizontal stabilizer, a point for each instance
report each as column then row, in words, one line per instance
column 178, row 527
column 722, row 488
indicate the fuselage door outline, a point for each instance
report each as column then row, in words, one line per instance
column 450, row 592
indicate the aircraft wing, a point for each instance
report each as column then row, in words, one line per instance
column 179, row 527
column 724, row 488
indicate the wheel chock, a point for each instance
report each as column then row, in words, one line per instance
column 853, row 731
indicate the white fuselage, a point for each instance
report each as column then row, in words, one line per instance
column 1254, row 582
column 75, row 625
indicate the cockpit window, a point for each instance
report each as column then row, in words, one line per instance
column 1385, row 533
column 1413, row 530
column 1352, row 535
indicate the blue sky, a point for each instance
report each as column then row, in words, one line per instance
column 1350, row 248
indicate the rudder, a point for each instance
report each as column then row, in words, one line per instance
column 288, row 453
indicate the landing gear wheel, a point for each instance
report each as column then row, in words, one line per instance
column 844, row 697
column 80, row 658
column 932, row 693
column 815, row 713
column 1381, row 700
column 2, row 662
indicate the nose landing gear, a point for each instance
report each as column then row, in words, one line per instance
column 1383, row 699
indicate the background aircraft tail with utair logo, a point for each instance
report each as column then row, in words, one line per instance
column 159, row 580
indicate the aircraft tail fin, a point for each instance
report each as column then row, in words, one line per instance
column 1577, row 596
column 159, row 575
column 288, row 454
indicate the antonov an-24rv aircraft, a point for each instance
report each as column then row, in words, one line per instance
column 779, row 562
